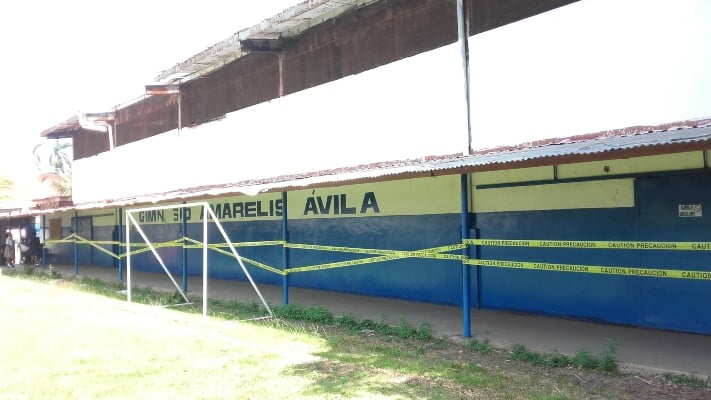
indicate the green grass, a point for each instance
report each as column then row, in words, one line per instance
column 81, row 339
column 483, row 347
column 72, row 345
column 606, row 361
column 688, row 381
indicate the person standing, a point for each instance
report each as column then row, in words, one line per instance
column 34, row 250
column 9, row 250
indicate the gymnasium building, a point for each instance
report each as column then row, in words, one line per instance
column 287, row 130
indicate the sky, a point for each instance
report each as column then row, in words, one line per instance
column 61, row 57
column 590, row 66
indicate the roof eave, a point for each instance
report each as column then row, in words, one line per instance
column 66, row 129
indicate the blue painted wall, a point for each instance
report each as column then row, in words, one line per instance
column 427, row 280
column 676, row 304
column 681, row 304
column 157, row 233
column 222, row 266
column 586, row 296
column 415, row 279
column 411, row 278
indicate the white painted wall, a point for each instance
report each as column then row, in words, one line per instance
column 590, row 66
column 408, row 109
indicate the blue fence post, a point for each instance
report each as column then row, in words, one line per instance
column 466, row 308
column 285, row 250
column 44, row 242
column 76, row 245
column 119, row 238
column 184, row 251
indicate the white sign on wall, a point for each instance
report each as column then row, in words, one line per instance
column 690, row 210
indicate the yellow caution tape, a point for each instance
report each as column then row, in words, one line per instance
column 387, row 255
column 592, row 244
column 426, row 253
column 591, row 269
column 440, row 253
column 96, row 246
column 249, row 261
column 341, row 264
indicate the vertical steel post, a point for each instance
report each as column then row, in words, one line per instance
column 119, row 238
column 44, row 241
column 204, row 259
column 180, row 111
column 184, row 251
column 128, row 257
column 463, row 31
column 280, row 58
column 477, row 275
column 466, row 280
column 285, row 250
column 463, row 34
column 76, row 246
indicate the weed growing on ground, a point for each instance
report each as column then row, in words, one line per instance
column 608, row 358
column 29, row 269
column 583, row 359
column 321, row 315
column 32, row 272
column 312, row 314
column 606, row 362
column 234, row 310
column 53, row 274
column 688, row 381
column 483, row 347
column 347, row 322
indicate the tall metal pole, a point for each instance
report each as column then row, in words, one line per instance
column 463, row 33
column 466, row 280
column 463, row 30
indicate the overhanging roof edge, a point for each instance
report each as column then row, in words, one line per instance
column 306, row 15
column 694, row 137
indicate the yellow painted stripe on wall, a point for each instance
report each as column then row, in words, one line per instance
column 434, row 195
column 262, row 207
column 666, row 162
column 594, row 194
column 513, row 175
column 658, row 163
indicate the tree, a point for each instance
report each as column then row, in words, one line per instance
column 55, row 166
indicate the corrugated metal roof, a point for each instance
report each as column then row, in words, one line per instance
column 635, row 141
column 64, row 129
column 287, row 24
column 590, row 146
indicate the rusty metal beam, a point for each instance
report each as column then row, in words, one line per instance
column 257, row 44
column 160, row 88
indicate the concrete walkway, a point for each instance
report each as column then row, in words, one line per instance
column 638, row 349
